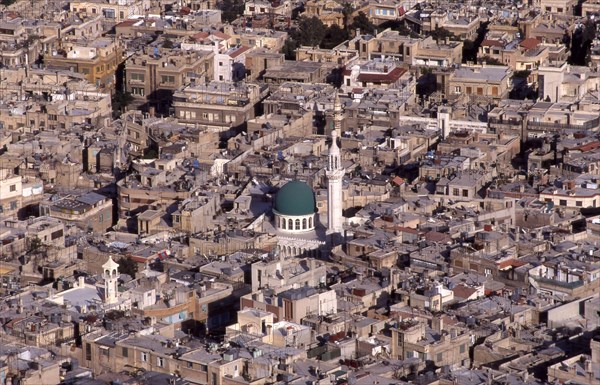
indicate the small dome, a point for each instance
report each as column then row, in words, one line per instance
column 295, row 198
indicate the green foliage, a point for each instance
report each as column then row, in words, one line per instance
column 7, row 2
column 347, row 11
column 120, row 100
column 311, row 31
column 334, row 36
column 362, row 22
column 128, row 266
column 490, row 60
column 150, row 153
column 442, row 34
column 231, row 9
column 522, row 74
column 289, row 49
column 35, row 245
column 168, row 43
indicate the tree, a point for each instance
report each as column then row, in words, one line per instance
column 491, row 61
column 231, row 9
column 442, row 34
column 362, row 22
column 347, row 11
column 167, row 43
column 334, row 37
column 289, row 49
column 7, row 2
column 128, row 266
column 311, row 31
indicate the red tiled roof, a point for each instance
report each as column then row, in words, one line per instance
column 462, row 291
column 127, row 23
column 238, row 52
column 407, row 230
column 221, row 35
column 436, row 236
column 390, row 77
column 587, row 147
column 530, row 43
column 491, row 43
column 200, row 35
column 398, row 181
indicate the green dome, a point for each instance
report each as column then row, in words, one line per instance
column 295, row 198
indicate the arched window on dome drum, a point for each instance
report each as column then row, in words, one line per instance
column 304, row 224
column 282, row 223
column 290, row 224
column 297, row 224
column 310, row 223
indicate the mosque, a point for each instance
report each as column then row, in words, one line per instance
column 296, row 221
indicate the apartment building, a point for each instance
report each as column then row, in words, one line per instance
column 218, row 106
column 114, row 11
column 90, row 211
column 391, row 45
column 443, row 345
column 96, row 59
column 196, row 213
column 274, row 7
column 477, row 81
column 153, row 75
column 374, row 74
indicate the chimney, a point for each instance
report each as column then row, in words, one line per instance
column 81, row 281
column 437, row 324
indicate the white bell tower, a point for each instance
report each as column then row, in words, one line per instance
column 111, row 275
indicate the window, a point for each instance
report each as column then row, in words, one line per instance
column 455, row 192
column 160, row 362
column 562, row 202
column 439, row 357
column 457, row 89
column 138, row 91
column 304, row 224
column 137, row 77
column 167, row 79
column 125, row 352
column 88, row 352
column 578, row 203
column 12, row 188
column 144, row 356
column 465, row 193
column 109, row 13
column 190, row 364
column 463, row 348
column 297, row 224
column 203, row 368
column 479, row 91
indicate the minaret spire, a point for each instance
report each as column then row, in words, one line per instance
column 335, row 173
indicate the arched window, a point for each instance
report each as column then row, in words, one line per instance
column 310, row 225
column 290, row 224
column 282, row 223
column 297, row 224
column 304, row 224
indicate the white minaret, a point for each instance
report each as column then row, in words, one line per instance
column 111, row 275
column 338, row 114
column 335, row 174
